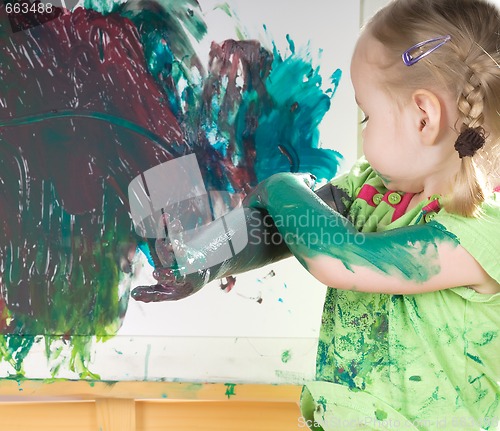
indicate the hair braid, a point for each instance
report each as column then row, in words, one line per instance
column 469, row 191
column 471, row 102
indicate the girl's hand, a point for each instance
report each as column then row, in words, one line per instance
column 173, row 282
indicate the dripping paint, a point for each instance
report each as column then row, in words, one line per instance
column 92, row 98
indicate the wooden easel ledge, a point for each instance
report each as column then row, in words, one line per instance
column 38, row 405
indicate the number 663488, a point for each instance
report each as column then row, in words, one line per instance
column 25, row 7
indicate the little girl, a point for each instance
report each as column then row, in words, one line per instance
column 410, row 238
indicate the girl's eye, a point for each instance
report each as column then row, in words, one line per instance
column 365, row 119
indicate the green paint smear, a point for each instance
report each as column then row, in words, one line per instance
column 380, row 415
column 415, row 378
column 475, row 358
column 83, row 301
column 286, row 356
column 194, row 386
column 435, row 393
column 230, row 390
column 323, row 403
column 487, row 338
column 312, row 229
column 385, row 179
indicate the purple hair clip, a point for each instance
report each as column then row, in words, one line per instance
column 409, row 60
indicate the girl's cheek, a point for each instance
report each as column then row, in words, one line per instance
column 368, row 150
column 363, row 136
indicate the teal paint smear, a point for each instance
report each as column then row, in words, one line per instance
column 487, row 338
column 261, row 128
column 435, row 393
column 143, row 247
column 415, row 378
column 409, row 253
column 323, row 402
column 474, row 380
column 295, row 87
column 475, row 358
column 385, row 180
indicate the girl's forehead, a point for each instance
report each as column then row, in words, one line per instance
column 369, row 50
column 362, row 61
column 367, row 61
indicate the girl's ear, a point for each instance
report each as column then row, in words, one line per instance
column 427, row 115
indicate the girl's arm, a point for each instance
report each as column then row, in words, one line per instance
column 407, row 260
column 264, row 245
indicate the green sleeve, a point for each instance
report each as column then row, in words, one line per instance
column 347, row 185
column 480, row 236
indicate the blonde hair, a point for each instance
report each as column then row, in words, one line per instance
column 467, row 66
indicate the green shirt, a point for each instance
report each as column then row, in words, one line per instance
column 426, row 361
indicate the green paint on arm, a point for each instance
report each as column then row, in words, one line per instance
column 310, row 229
column 380, row 415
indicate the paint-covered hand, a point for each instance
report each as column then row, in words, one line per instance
column 174, row 280
column 207, row 255
column 170, row 286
